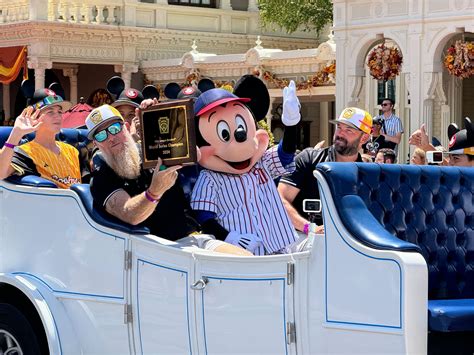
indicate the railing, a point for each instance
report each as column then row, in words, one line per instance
column 134, row 13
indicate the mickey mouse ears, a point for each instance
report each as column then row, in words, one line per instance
column 251, row 87
column 174, row 91
column 129, row 96
column 461, row 141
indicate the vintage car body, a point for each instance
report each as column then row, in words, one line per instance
column 90, row 285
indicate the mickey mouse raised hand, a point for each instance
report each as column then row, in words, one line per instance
column 235, row 196
column 291, row 106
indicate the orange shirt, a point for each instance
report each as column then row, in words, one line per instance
column 63, row 169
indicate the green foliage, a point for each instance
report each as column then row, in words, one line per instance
column 309, row 15
column 263, row 125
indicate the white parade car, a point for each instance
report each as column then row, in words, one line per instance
column 72, row 282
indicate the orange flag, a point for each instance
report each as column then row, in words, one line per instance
column 12, row 59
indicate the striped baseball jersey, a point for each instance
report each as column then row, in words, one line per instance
column 33, row 159
column 248, row 203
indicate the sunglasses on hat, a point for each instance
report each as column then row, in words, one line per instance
column 113, row 129
column 47, row 101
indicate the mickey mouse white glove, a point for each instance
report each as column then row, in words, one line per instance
column 291, row 106
column 250, row 242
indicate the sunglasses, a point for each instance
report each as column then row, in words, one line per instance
column 385, row 105
column 113, row 129
column 48, row 101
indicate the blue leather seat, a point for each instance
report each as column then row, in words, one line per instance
column 425, row 209
column 83, row 190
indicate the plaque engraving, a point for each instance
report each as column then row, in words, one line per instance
column 167, row 132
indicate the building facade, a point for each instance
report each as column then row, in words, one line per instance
column 422, row 29
column 82, row 44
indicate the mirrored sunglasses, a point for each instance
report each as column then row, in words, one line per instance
column 113, row 129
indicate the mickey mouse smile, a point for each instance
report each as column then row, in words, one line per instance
column 239, row 165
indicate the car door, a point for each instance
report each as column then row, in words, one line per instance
column 244, row 305
column 163, row 312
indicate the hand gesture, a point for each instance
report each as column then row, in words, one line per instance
column 27, row 122
column 163, row 180
column 419, row 138
column 291, row 106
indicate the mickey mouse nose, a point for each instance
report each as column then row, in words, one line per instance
column 240, row 135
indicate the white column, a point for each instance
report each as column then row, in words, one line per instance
column 38, row 10
column 39, row 66
column 6, row 100
column 414, row 63
column 126, row 71
column 252, row 6
column 71, row 73
column 324, row 122
column 225, row 5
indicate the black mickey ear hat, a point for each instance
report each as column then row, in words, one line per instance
column 129, row 96
column 42, row 98
column 174, row 91
column 58, row 89
column 251, row 87
column 27, row 89
column 461, row 141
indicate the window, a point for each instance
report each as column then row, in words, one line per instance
column 200, row 3
column 385, row 89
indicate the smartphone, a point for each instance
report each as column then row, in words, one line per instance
column 434, row 157
column 311, row 205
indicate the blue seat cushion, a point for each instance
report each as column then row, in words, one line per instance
column 31, row 180
column 452, row 315
column 102, row 218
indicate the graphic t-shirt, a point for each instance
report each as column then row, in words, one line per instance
column 33, row 159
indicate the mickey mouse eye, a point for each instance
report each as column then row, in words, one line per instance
column 223, row 131
column 240, row 123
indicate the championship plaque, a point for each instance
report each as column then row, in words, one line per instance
column 167, row 132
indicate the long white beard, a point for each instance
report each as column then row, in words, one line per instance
column 125, row 163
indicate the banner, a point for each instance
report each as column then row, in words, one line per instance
column 12, row 59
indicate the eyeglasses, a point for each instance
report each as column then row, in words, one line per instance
column 385, row 105
column 113, row 129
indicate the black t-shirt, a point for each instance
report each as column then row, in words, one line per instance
column 375, row 144
column 303, row 178
column 171, row 218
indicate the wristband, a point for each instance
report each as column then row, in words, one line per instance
column 150, row 198
column 9, row 145
column 306, row 229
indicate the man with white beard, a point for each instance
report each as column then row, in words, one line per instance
column 134, row 195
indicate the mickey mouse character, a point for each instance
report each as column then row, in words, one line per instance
column 235, row 197
column 461, row 144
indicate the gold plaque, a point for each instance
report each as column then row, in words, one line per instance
column 167, row 132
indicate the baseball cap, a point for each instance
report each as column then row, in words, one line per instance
column 462, row 142
column 355, row 117
column 100, row 116
column 43, row 98
column 213, row 98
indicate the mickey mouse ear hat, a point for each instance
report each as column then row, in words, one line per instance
column 129, row 96
column 461, row 141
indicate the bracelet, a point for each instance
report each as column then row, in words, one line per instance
column 9, row 145
column 150, row 198
column 306, row 229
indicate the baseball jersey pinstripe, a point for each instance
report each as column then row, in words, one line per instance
column 62, row 169
column 248, row 203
